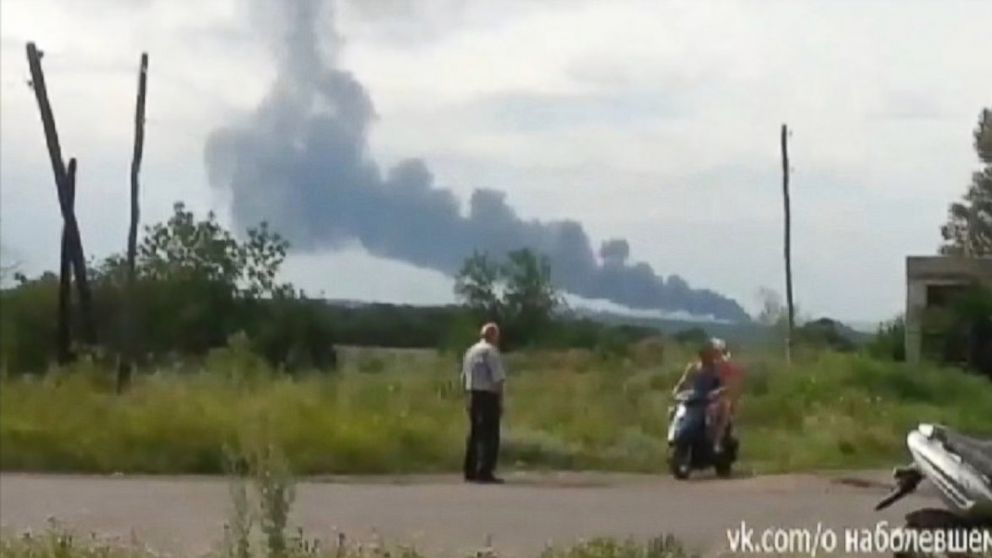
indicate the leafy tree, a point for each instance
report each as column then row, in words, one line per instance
column 531, row 298
column 184, row 248
column 28, row 323
column 477, row 286
column 517, row 293
column 262, row 256
column 968, row 231
column 197, row 286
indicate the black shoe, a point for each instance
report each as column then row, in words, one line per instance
column 489, row 480
column 471, row 478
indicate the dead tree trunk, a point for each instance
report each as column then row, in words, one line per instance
column 130, row 312
column 74, row 242
column 788, row 244
column 64, row 339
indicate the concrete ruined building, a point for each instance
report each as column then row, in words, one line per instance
column 935, row 283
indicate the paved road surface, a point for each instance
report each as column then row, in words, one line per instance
column 440, row 514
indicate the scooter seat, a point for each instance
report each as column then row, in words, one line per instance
column 975, row 451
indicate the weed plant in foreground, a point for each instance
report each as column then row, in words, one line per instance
column 57, row 542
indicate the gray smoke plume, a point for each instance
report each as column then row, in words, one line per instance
column 301, row 163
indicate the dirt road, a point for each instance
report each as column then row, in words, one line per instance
column 440, row 514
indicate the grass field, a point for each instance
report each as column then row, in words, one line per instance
column 399, row 412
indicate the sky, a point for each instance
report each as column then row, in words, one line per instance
column 657, row 122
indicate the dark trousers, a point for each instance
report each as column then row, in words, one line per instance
column 482, row 447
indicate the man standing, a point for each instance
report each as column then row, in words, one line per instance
column 484, row 377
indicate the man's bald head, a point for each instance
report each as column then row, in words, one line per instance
column 490, row 332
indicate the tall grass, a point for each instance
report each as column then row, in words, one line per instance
column 565, row 410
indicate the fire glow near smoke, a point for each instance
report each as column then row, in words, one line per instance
column 301, row 163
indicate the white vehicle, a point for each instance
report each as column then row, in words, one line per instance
column 959, row 466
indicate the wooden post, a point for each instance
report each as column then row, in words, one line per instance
column 127, row 362
column 74, row 241
column 788, row 244
column 139, row 146
column 64, row 336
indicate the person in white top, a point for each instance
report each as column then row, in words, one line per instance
column 484, row 378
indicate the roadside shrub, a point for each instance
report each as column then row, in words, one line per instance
column 570, row 410
column 695, row 336
column 236, row 363
column 889, row 342
column 658, row 547
column 822, row 334
column 28, row 324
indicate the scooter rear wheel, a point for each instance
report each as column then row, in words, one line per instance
column 724, row 461
column 724, row 468
column 680, row 461
column 932, row 518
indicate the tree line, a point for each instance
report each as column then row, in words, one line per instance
column 197, row 285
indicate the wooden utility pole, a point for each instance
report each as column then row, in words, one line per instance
column 65, row 280
column 139, row 146
column 788, row 243
column 130, row 312
column 73, row 240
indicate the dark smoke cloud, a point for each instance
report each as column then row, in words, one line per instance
column 301, row 162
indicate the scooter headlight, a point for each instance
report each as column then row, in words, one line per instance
column 927, row 430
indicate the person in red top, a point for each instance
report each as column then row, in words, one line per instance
column 732, row 377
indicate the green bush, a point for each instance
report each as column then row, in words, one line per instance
column 572, row 409
column 889, row 342
column 692, row 336
column 658, row 547
column 824, row 333
column 185, row 317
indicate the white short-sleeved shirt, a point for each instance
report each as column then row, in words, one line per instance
column 482, row 368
